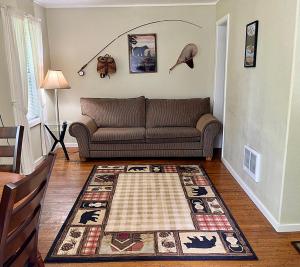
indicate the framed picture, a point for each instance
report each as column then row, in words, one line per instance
column 142, row 53
column 251, row 44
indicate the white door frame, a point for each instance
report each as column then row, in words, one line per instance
column 221, row 21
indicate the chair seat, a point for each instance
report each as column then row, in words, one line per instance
column 172, row 135
column 119, row 135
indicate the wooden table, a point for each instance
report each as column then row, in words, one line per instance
column 8, row 177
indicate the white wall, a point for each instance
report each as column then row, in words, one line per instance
column 75, row 35
column 290, row 210
column 257, row 100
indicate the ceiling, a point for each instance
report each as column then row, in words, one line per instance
column 118, row 3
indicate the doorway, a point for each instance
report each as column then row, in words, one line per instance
column 222, row 41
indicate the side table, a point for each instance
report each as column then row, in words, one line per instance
column 59, row 137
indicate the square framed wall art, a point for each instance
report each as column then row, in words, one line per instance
column 251, row 44
column 142, row 53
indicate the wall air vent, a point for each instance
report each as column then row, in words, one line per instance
column 252, row 163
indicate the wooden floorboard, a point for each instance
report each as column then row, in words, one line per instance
column 273, row 249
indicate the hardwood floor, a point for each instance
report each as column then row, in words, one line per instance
column 272, row 248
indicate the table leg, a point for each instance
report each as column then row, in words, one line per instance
column 60, row 140
column 54, row 145
column 65, row 150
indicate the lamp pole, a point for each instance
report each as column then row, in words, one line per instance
column 57, row 110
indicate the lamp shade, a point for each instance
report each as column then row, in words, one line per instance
column 55, row 80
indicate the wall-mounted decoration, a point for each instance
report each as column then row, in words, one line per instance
column 81, row 72
column 106, row 66
column 142, row 53
column 186, row 56
column 251, row 44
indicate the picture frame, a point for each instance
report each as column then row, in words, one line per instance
column 251, row 44
column 142, row 53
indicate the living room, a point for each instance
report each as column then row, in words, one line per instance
column 187, row 93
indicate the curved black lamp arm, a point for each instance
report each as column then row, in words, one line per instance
column 81, row 71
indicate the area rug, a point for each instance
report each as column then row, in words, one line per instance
column 149, row 212
column 296, row 245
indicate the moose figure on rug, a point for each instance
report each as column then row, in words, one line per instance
column 200, row 191
column 204, row 243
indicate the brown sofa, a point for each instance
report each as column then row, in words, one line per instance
column 140, row 127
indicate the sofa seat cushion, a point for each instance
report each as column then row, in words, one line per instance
column 119, row 135
column 172, row 135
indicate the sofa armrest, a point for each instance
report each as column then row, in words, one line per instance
column 82, row 130
column 209, row 127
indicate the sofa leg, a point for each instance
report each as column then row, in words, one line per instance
column 208, row 158
column 82, row 158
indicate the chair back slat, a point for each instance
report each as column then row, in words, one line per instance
column 22, row 256
column 21, row 234
column 8, row 132
column 13, row 151
column 24, row 210
column 7, row 151
column 20, row 210
column 30, row 184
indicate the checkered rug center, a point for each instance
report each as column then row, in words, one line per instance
column 149, row 212
column 149, row 202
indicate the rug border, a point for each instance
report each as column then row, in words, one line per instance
column 295, row 246
column 51, row 259
column 48, row 256
column 230, row 214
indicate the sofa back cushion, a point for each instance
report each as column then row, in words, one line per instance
column 175, row 112
column 110, row 112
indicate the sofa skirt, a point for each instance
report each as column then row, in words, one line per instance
column 146, row 153
column 193, row 149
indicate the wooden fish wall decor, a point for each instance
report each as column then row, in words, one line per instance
column 186, row 56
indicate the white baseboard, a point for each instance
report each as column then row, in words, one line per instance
column 71, row 144
column 264, row 210
column 288, row 228
column 67, row 145
column 38, row 161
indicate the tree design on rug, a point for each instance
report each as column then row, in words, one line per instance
column 68, row 246
column 74, row 233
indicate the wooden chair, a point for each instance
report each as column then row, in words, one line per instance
column 20, row 210
column 13, row 151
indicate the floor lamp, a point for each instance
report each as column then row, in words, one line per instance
column 55, row 80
